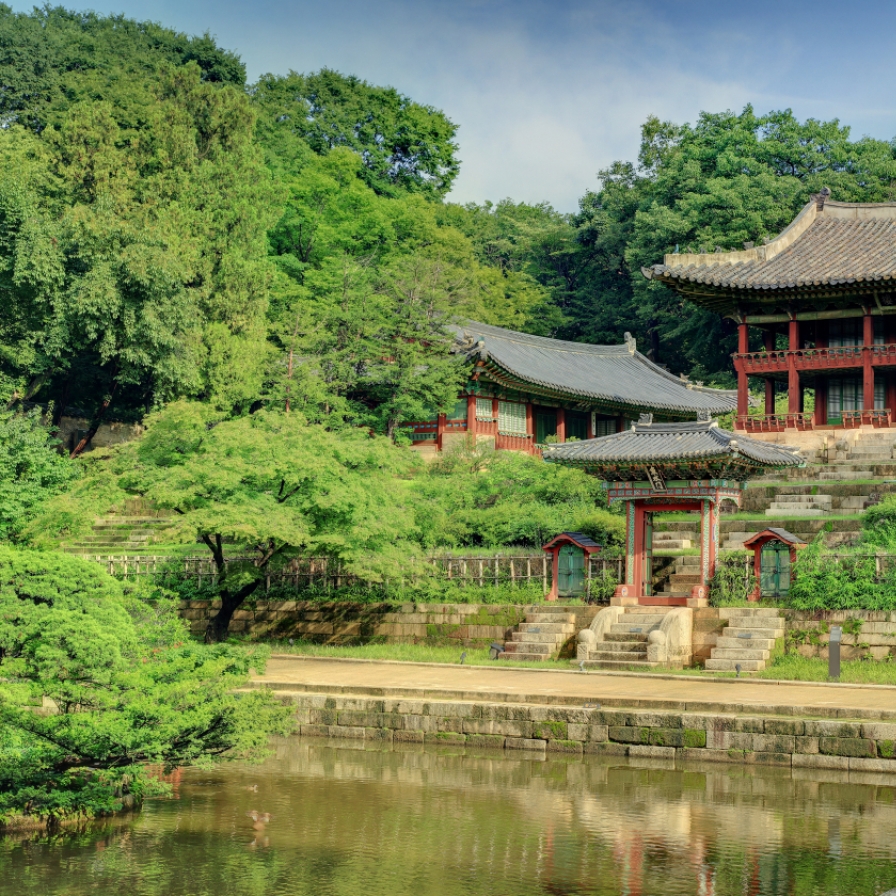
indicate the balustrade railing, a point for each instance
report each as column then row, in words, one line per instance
column 846, row 356
column 775, row 422
column 880, row 418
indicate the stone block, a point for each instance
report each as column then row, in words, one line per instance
column 806, row 745
column 833, row 728
column 606, row 749
column 363, row 719
column 507, row 729
column 742, row 724
column 347, row 731
column 458, row 710
column 504, row 712
column 879, row 731
column 666, row 737
column 802, row 760
column 323, row 716
column 407, row 737
column 384, row 735
column 772, row 758
column 708, row 755
column 451, row 738
column 773, row 743
column 559, row 714
column 627, row 735
column 872, row 765
column 448, row 724
column 853, row 747
column 525, row 743
column 596, row 733
column 574, row 747
column 551, row 730
column 314, row 731
column 793, row 727
column 655, row 752
column 495, row 741
column 420, row 723
column 404, row 707
column 729, row 740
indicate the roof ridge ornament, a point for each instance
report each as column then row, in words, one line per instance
column 820, row 198
column 704, row 416
column 630, row 343
column 645, row 420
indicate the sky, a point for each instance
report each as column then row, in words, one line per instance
column 546, row 94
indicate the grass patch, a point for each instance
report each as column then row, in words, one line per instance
column 409, row 653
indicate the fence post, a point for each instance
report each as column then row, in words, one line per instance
column 481, row 572
column 544, row 572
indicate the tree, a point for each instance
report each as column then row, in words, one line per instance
column 96, row 684
column 256, row 492
column 403, row 146
column 727, row 179
column 31, row 469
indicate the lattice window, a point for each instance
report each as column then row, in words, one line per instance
column 847, row 394
column 512, row 418
column 484, row 409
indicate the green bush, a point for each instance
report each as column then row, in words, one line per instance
column 733, row 581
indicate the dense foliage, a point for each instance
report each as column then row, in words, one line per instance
column 95, row 685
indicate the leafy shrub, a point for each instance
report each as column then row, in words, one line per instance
column 733, row 581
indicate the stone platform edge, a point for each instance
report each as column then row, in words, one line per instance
column 693, row 736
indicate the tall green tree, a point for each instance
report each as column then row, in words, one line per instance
column 255, row 491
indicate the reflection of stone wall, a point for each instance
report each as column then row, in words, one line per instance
column 715, row 737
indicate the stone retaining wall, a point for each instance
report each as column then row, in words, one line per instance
column 875, row 639
column 345, row 623
column 742, row 739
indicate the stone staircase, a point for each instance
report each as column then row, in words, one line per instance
column 684, row 575
column 542, row 635
column 672, row 541
column 872, row 447
column 624, row 646
column 800, row 505
column 748, row 640
column 119, row 535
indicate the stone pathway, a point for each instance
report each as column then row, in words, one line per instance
column 502, row 684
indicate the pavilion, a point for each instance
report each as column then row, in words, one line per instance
column 523, row 391
column 666, row 468
column 826, row 285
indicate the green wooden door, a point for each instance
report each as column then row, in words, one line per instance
column 570, row 570
column 774, row 570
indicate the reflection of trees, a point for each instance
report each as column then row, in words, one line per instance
column 350, row 821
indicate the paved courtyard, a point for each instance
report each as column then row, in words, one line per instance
column 510, row 685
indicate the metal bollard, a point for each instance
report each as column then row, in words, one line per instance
column 836, row 637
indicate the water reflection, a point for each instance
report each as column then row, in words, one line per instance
column 340, row 819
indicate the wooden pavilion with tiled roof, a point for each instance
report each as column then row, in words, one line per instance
column 827, row 282
column 523, row 391
column 668, row 468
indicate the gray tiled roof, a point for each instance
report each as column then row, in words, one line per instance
column 829, row 244
column 670, row 443
column 616, row 374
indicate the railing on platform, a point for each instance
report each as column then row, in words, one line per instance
column 775, row 422
column 840, row 357
column 474, row 570
column 880, row 419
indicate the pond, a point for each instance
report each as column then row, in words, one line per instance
column 348, row 820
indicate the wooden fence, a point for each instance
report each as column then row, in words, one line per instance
column 305, row 572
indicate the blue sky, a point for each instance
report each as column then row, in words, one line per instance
column 548, row 93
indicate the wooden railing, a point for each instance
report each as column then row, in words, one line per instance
column 300, row 573
column 841, row 357
column 880, row 419
column 774, row 422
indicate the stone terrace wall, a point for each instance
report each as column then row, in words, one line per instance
column 715, row 737
column 875, row 639
column 346, row 623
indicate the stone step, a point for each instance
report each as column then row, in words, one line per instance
column 820, row 500
column 728, row 665
column 672, row 544
column 854, row 503
column 725, row 643
column 623, row 659
column 632, row 628
column 550, row 618
column 755, row 612
column 833, row 476
column 529, row 638
column 680, row 580
column 524, row 657
column 547, row 609
column 518, row 647
column 732, row 653
column 622, row 646
column 768, row 633
column 610, row 665
column 788, row 512
column 547, row 628
column 626, row 636
column 641, row 619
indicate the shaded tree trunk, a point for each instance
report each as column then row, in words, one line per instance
column 32, row 390
column 95, row 424
column 219, row 624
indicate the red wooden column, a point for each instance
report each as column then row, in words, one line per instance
column 471, row 416
column 890, row 378
column 793, row 375
column 440, row 431
column 743, row 389
column 639, row 549
column 561, row 424
column 821, row 383
column 867, row 369
column 770, row 334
